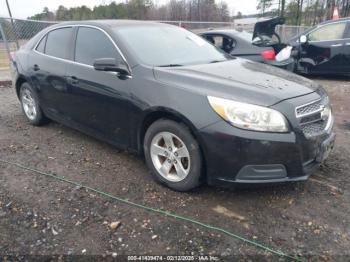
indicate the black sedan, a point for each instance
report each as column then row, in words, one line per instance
column 260, row 46
column 324, row 49
column 195, row 113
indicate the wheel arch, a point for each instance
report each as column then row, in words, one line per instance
column 20, row 80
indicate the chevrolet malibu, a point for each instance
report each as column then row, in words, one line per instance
column 196, row 114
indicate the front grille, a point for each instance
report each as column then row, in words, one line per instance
column 312, row 118
column 309, row 109
column 314, row 129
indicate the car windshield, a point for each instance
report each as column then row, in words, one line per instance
column 169, row 46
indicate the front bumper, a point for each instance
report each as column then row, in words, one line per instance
column 239, row 156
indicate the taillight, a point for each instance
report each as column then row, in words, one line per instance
column 269, row 54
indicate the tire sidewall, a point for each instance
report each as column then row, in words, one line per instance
column 192, row 180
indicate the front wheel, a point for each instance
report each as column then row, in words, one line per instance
column 173, row 155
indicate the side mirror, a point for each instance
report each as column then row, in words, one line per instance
column 111, row 65
column 303, row 39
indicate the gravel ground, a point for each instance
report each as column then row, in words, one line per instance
column 41, row 216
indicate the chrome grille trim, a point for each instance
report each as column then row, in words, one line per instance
column 311, row 119
column 309, row 108
column 317, row 128
column 329, row 122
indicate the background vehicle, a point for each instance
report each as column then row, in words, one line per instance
column 194, row 112
column 260, row 46
column 324, row 49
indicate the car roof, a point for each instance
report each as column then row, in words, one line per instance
column 224, row 31
column 112, row 23
column 106, row 25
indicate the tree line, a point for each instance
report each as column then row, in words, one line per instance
column 297, row 12
column 191, row 10
column 304, row 12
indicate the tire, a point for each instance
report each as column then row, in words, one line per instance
column 183, row 160
column 30, row 105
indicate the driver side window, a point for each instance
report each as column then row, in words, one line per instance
column 93, row 44
column 328, row 32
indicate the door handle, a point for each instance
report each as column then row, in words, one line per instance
column 347, row 44
column 36, row 67
column 73, row 80
column 336, row 45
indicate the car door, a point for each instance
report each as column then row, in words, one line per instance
column 346, row 53
column 98, row 101
column 324, row 50
column 48, row 65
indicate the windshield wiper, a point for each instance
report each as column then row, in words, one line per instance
column 170, row 65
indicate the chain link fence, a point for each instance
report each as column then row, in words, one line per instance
column 286, row 32
column 16, row 32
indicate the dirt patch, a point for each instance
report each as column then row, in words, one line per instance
column 40, row 216
column 346, row 125
column 5, row 84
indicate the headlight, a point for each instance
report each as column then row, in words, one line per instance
column 249, row 116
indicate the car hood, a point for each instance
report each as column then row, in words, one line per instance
column 267, row 27
column 238, row 79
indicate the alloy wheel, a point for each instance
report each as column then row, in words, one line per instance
column 29, row 104
column 170, row 156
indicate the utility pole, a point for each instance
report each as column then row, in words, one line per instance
column 9, row 9
column 199, row 10
column 263, row 8
column 279, row 7
column 283, row 3
column 300, row 13
column 190, row 12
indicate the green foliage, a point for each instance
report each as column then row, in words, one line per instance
column 292, row 11
column 44, row 15
column 137, row 9
column 111, row 11
column 263, row 5
column 207, row 10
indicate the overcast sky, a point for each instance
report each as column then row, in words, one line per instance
column 25, row 8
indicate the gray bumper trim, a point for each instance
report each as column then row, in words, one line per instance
column 251, row 173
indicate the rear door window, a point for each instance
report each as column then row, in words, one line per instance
column 223, row 42
column 92, row 44
column 41, row 46
column 57, row 42
column 347, row 31
column 328, row 32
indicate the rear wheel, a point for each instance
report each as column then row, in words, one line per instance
column 173, row 155
column 30, row 105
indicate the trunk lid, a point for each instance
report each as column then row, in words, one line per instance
column 267, row 27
